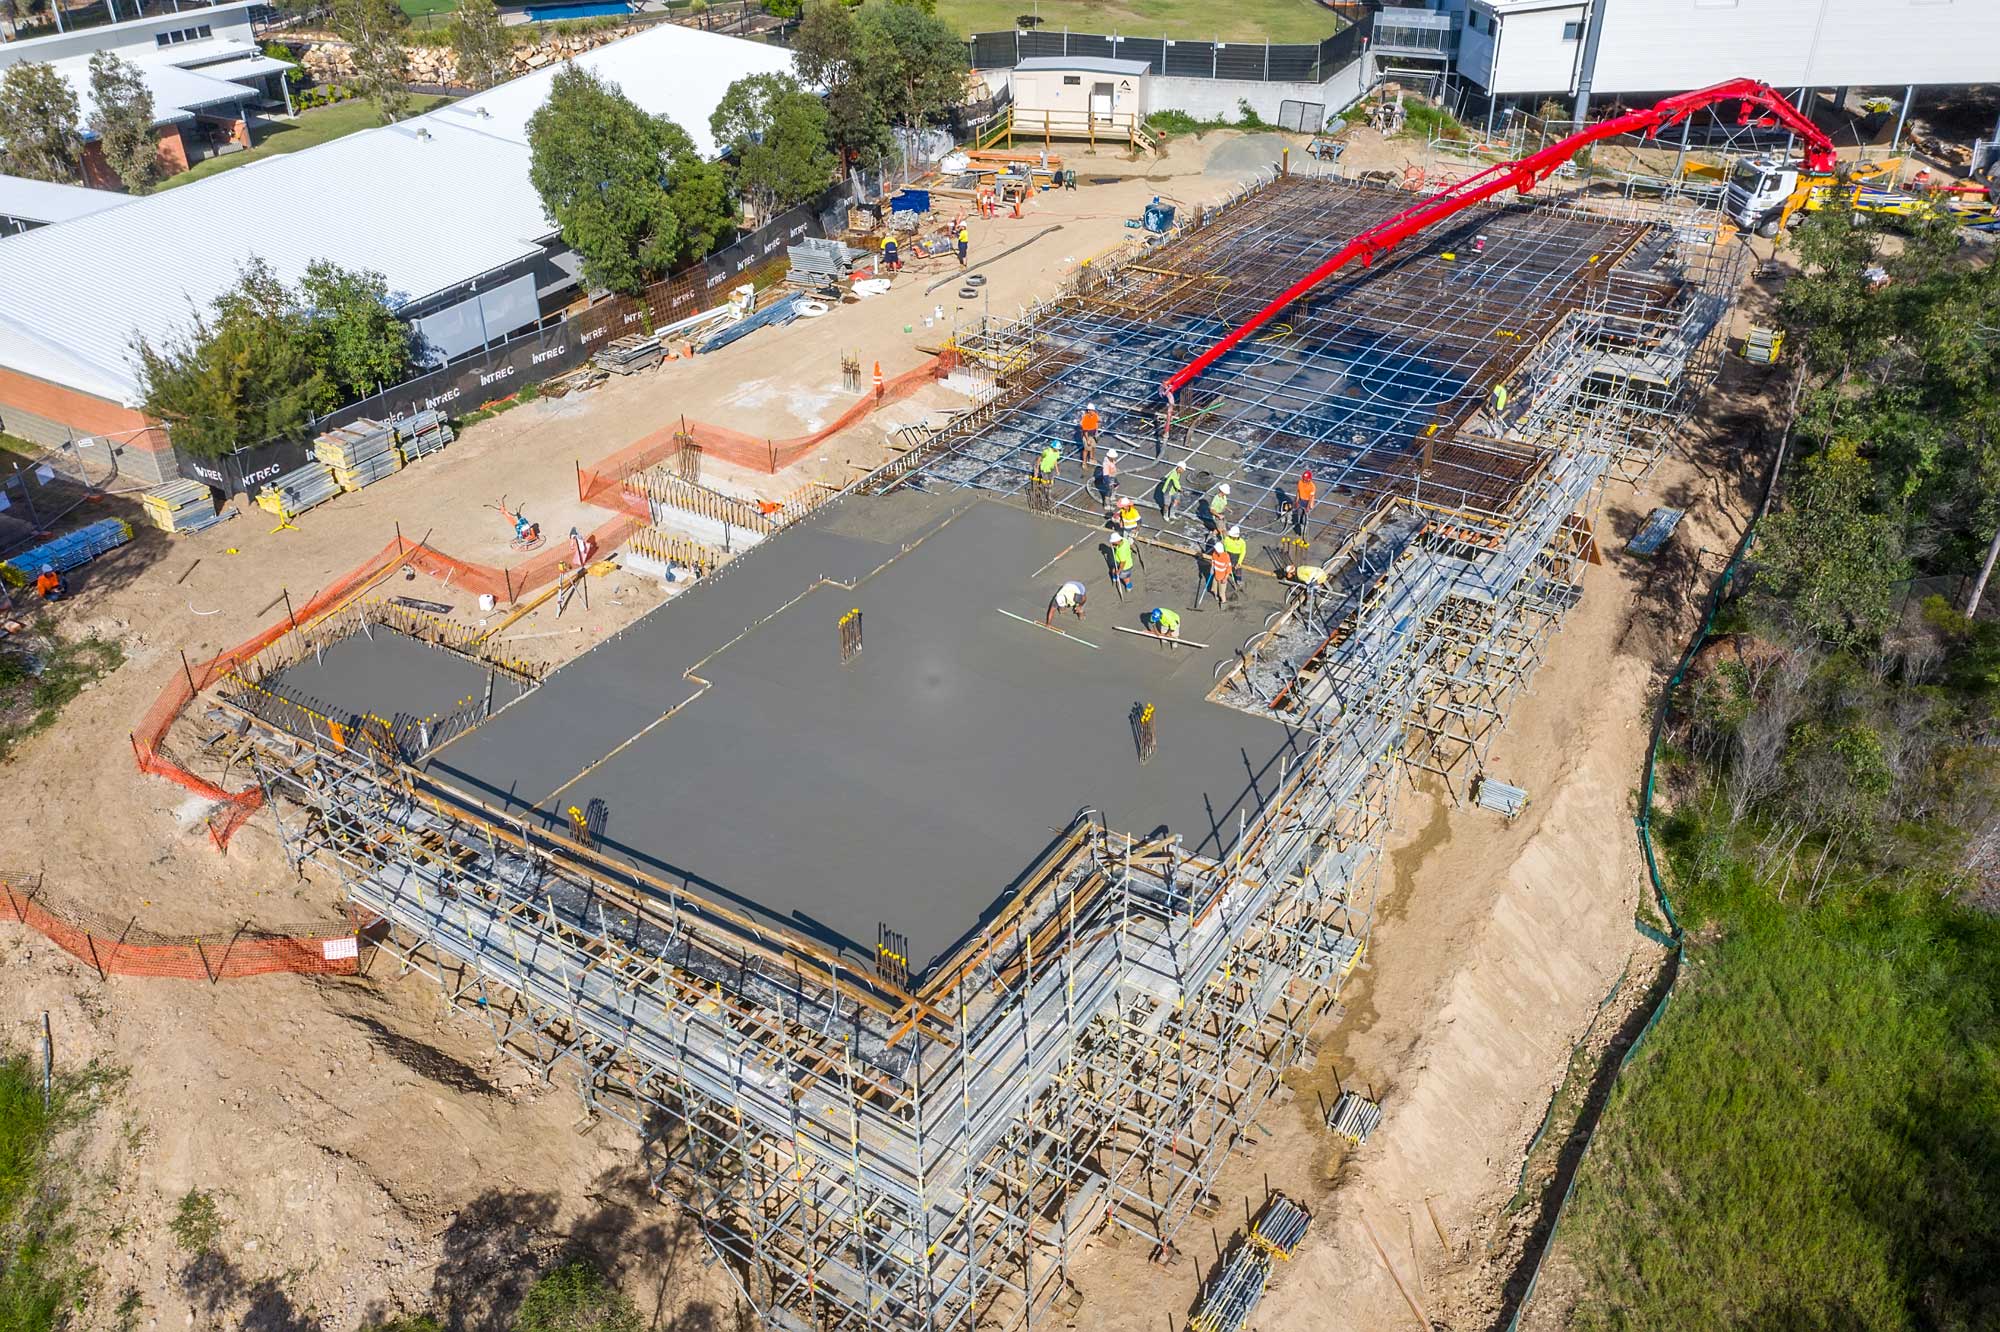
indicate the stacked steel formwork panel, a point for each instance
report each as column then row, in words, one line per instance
column 867, row 1151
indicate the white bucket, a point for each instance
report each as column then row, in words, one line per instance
column 485, row 602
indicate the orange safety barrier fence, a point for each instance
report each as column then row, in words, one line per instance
column 601, row 485
column 131, row 950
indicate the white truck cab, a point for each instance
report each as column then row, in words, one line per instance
column 1758, row 189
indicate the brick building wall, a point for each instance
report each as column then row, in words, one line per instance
column 107, row 433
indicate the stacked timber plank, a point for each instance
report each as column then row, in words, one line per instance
column 296, row 491
column 421, row 433
column 630, row 354
column 360, row 453
column 180, row 506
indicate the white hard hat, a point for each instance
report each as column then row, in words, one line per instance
column 1109, row 454
column 48, row 568
column 1090, row 406
column 1223, row 488
column 1235, row 530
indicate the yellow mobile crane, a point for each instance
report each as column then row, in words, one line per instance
column 1765, row 192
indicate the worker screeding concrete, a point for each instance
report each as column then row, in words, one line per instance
column 1163, row 622
column 1121, row 561
column 1215, row 571
column 1070, row 597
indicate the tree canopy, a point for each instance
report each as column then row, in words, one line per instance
column 38, row 123
column 911, row 61
column 479, row 43
column 263, row 360
column 776, row 132
column 122, row 120
column 628, row 189
column 355, row 338
column 826, row 53
column 1900, row 415
column 373, row 29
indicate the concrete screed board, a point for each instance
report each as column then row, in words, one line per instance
column 913, row 785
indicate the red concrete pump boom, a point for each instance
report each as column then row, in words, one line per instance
column 1524, row 175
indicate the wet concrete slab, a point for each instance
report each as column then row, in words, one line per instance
column 385, row 673
column 912, row 785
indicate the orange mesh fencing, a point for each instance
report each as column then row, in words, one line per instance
column 131, row 950
column 600, row 484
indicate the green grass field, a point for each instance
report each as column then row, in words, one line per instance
column 322, row 124
column 1807, row 1139
column 417, row 9
column 1244, row 21
column 41, row 1279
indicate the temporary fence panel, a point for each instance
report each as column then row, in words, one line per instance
column 507, row 366
column 1301, row 117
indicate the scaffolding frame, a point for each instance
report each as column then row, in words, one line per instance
column 866, row 1150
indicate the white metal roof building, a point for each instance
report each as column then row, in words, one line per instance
column 26, row 204
column 192, row 60
column 1520, row 47
column 439, row 204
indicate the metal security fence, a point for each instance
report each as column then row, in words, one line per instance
column 557, row 344
column 1262, row 62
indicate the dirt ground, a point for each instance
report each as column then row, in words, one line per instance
column 371, row 1154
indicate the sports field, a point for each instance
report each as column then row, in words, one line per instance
column 1243, row 21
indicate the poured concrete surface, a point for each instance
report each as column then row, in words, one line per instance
column 914, row 784
column 385, row 673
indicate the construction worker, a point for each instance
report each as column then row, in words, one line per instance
column 1070, row 597
column 1303, row 497
column 1499, row 401
column 1218, row 501
column 1086, row 427
column 1127, row 514
column 1107, row 475
column 1170, row 493
column 1215, row 571
column 50, row 585
column 1045, row 466
column 1237, row 549
column 892, row 259
column 1121, row 561
column 1163, row 623
column 1311, row 577
column 964, row 243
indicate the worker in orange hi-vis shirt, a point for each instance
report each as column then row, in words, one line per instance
column 1086, row 426
column 1304, row 494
